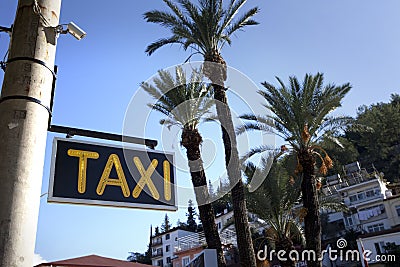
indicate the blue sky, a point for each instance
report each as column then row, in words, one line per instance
column 354, row 41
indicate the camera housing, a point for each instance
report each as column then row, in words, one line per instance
column 75, row 31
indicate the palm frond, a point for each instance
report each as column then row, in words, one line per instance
column 151, row 48
column 183, row 19
column 258, row 150
column 300, row 105
column 242, row 22
column 185, row 101
column 272, row 202
column 169, row 123
column 297, row 232
column 205, row 27
column 230, row 13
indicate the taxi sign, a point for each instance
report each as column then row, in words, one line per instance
column 108, row 175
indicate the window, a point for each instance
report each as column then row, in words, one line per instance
column 157, row 241
column 382, row 244
column 168, row 259
column 219, row 225
column 167, row 237
column 360, row 195
column 185, row 261
column 353, row 198
column 370, row 193
column 376, row 227
column 398, row 210
column 379, row 247
column 167, row 248
column 160, row 263
column 349, row 221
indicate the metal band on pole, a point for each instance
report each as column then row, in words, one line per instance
column 38, row 61
column 27, row 98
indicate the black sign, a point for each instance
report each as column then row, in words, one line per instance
column 99, row 174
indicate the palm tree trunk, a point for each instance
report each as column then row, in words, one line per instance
column 286, row 245
column 217, row 74
column 191, row 140
column 312, row 219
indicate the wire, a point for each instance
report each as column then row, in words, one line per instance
column 5, row 55
column 3, row 63
column 37, row 10
column 36, row 7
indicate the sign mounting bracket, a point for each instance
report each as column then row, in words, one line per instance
column 70, row 132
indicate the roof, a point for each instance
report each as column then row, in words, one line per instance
column 92, row 261
column 222, row 214
column 192, row 250
column 392, row 197
column 171, row 230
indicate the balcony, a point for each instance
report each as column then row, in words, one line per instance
column 336, row 184
column 156, row 254
column 364, row 202
column 228, row 237
column 156, row 242
column 191, row 241
column 195, row 240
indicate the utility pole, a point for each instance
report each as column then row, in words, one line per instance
column 24, row 116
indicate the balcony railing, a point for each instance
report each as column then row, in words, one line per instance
column 191, row 241
column 156, row 242
column 157, row 254
column 349, row 180
column 228, row 237
column 198, row 239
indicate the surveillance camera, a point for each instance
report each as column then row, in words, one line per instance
column 75, row 31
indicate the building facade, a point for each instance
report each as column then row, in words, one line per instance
column 376, row 244
column 374, row 212
column 190, row 246
column 164, row 245
column 183, row 257
column 365, row 194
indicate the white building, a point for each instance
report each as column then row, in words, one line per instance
column 375, row 243
column 364, row 193
column 191, row 246
column 374, row 212
column 164, row 244
column 222, row 220
column 226, row 229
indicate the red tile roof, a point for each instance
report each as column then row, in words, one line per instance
column 92, row 261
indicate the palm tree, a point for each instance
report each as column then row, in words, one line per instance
column 276, row 200
column 273, row 202
column 300, row 117
column 185, row 103
column 206, row 28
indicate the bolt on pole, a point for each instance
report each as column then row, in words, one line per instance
column 25, row 96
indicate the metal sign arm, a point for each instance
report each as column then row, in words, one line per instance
column 106, row 136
